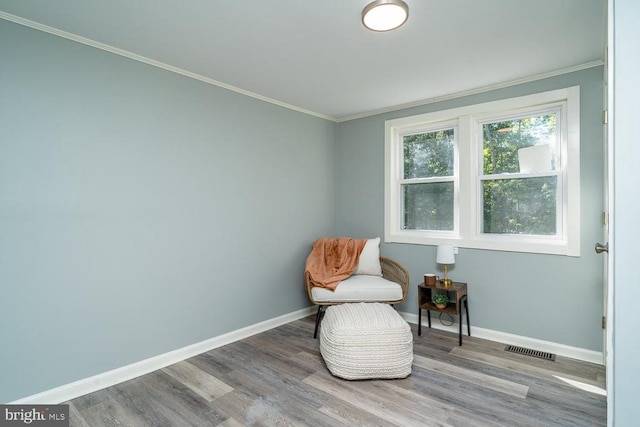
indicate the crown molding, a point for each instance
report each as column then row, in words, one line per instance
column 189, row 74
column 474, row 91
column 154, row 63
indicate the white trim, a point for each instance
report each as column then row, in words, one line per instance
column 116, row 376
column 481, row 89
column 134, row 370
column 506, row 338
column 469, row 117
column 140, row 58
column 610, row 192
column 154, row 63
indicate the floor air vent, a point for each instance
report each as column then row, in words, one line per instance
column 530, row 352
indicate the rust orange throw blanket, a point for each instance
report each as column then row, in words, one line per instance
column 333, row 260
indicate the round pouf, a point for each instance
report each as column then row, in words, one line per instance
column 366, row 340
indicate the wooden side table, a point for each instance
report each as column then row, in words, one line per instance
column 457, row 289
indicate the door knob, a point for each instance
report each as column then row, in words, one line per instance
column 602, row 248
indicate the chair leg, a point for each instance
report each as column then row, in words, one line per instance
column 318, row 318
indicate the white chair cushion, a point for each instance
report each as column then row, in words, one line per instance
column 360, row 288
column 369, row 261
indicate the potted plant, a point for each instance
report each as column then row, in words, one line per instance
column 440, row 300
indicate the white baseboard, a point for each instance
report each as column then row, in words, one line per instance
column 134, row 370
column 506, row 338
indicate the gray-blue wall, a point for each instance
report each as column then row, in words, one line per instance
column 137, row 208
column 553, row 298
column 142, row 211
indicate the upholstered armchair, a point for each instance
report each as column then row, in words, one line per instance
column 377, row 279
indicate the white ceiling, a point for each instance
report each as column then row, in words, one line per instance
column 317, row 56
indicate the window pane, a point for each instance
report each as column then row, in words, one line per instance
column 428, row 154
column 428, row 206
column 527, row 144
column 520, row 206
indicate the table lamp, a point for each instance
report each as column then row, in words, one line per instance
column 445, row 256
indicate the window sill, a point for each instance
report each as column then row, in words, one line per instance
column 503, row 243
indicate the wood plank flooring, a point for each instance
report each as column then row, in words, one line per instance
column 278, row 378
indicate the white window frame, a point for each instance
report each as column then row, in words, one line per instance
column 467, row 231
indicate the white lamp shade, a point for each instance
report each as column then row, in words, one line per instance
column 445, row 255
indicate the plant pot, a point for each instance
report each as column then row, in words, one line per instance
column 441, row 306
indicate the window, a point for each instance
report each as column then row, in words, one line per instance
column 428, row 179
column 502, row 175
column 519, row 178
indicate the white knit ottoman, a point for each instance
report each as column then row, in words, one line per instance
column 366, row 340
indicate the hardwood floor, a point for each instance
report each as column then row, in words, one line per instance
column 278, row 378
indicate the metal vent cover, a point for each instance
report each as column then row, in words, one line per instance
column 529, row 352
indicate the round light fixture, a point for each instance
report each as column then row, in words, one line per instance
column 385, row 15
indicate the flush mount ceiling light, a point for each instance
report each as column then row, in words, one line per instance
column 385, row 15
